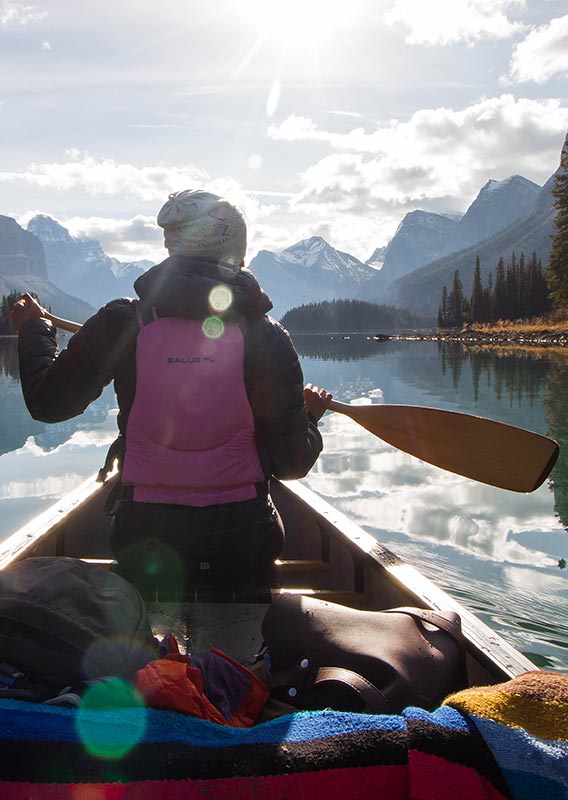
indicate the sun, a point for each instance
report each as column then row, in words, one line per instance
column 299, row 21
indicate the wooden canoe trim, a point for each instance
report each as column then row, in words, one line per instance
column 40, row 527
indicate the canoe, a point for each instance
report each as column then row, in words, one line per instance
column 509, row 731
column 326, row 556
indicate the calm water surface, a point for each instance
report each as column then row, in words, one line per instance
column 497, row 551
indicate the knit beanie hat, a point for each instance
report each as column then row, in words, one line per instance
column 198, row 223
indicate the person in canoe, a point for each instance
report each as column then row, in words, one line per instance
column 211, row 402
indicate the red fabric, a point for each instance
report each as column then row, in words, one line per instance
column 433, row 781
column 433, row 777
column 169, row 683
column 173, row 684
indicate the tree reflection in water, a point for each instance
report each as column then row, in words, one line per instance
column 9, row 357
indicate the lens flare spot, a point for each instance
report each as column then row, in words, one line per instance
column 213, row 327
column 220, row 298
column 98, row 737
column 273, row 99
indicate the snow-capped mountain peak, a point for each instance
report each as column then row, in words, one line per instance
column 80, row 266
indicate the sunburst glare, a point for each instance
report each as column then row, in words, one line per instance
column 298, row 21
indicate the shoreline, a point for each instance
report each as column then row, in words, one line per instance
column 501, row 338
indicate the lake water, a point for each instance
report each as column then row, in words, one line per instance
column 496, row 551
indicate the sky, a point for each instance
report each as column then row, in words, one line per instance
column 316, row 117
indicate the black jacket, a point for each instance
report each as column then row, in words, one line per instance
column 58, row 386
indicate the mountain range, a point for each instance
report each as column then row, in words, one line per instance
column 80, row 267
column 309, row 271
column 72, row 275
column 531, row 233
column 510, row 215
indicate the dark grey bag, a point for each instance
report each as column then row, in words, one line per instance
column 324, row 655
column 64, row 621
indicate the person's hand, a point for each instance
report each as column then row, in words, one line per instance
column 24, row 309
column 317, row 400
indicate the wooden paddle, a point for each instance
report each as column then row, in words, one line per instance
column 64, row 324
column 481, row 449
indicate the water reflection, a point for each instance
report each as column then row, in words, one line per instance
column 328, row 347
column 9, row 357
column 526, row 379
column 495, row 550
column 502, row 368
column 39, row 462
column 556, row 407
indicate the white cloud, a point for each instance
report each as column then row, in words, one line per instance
column 45, row 45
column 139, row 237
column 18, row 14
column 438, row 156
column 294, row 128
column 126, row 239
column 107, row 177
column 437, row 160
column 445, row 22
column 542, row 54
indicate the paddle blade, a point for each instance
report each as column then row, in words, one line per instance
column 481, row 449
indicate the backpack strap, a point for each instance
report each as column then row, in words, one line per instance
column 145, row 314
column 447, row 621
column 306, row 676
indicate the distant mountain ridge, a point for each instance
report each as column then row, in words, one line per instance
column 498, row 205
column 20, row 253
column 512, row 215
column 419, row 239
column 23, row 268
column 421, row 290
column 420, row 258
column 309, row 271
column 80, row 266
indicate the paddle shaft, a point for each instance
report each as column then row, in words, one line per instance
column 481, row 449
column 64, row 324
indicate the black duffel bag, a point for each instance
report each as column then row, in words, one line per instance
column 324, row 655
column 64, row 621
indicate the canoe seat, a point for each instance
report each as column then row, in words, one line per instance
column 342, row 596
column 301, row 565
column 103, row 563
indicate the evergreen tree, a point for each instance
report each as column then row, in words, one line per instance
column 443, row 310
column 499, row 310
column 537, row 287
column 511, row 277
column 557, row 271
column 456, row 303
column 347, row 316
column 488, row 299
column 477, row 312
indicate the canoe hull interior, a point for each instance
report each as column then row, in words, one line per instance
column 326, row 555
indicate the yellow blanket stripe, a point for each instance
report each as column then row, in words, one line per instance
column 546, row 720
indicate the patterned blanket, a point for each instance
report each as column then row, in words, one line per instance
column 506, row 741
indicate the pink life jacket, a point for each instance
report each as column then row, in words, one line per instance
column 190, row 432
